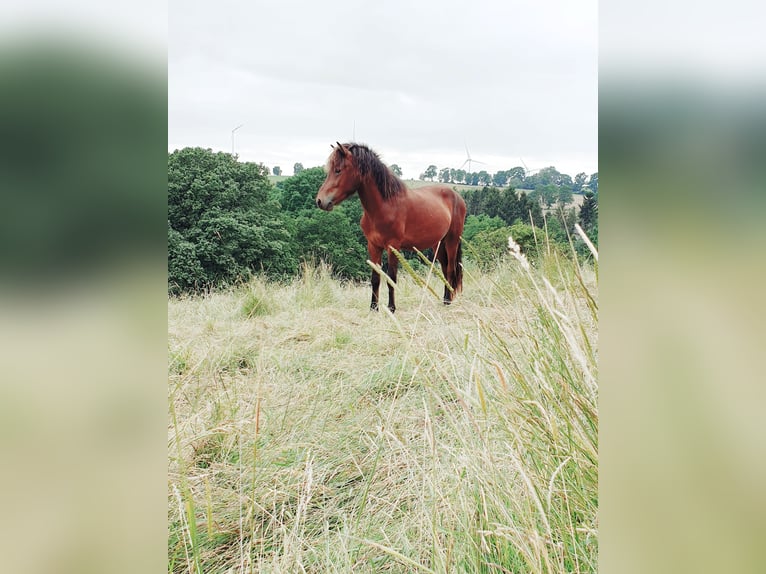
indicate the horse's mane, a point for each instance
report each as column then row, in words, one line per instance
column 369, row 163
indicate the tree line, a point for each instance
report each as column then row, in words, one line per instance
column 227, row 221
column 517, row 177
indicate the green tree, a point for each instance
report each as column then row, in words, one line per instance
column 297, row 168
column 396, row 169
column 548, row 176
column 475, row 224
column 491, row 201
column 223, row 224
column 276, row 170
column 516, row 177
column 528, row 238
column 588, row 216
column 472, row 200
column 593, row 182
column 489, row 247
column 185, row 272
column 556, row 231
column 334, row 237
column 298, row 192
column 444, row 175
column 564, row 196
column 529, row 210
column 588, row 220
column 429, row 173
column 500, row 178
column 508, row 204
column 579, row 182
column 548, row 194
column 512, row 207
column 560, row 224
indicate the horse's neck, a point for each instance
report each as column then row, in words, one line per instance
column 371, row 198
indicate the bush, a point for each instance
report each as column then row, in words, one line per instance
column 529, row 238
column 185, row 272
column 489, row 247
column 223, row 223
column 333, row 238
column 475, row 224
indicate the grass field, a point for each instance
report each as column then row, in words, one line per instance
column 308, row 434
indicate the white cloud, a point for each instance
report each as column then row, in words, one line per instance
column 413, row 80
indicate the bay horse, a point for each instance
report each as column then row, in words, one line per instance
column 396, row 217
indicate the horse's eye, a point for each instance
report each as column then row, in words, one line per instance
column 337, row 171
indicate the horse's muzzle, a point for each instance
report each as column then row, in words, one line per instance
column 326, row 205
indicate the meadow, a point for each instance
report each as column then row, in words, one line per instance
column 309, row 434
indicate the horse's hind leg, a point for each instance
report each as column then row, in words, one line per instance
column 441, row 255
column 452, row 271
column 393, row 268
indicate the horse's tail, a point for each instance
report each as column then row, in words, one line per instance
column 458, row 286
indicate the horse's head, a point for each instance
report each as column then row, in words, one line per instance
column 342, row 179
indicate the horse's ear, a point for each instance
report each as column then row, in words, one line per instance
column 341, row 149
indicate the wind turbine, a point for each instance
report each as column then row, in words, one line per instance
column 469, row 159
column 232, row 137
column 526, row 169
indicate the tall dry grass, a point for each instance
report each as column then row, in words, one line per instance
column 308, row 434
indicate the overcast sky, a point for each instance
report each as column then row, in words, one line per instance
column 417, row 80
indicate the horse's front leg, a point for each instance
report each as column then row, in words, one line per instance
column 376, row 256
column 393, row 268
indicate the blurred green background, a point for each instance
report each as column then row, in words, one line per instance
column 682, row 136
column 82, row 302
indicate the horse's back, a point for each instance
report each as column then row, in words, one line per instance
column 437, row 189
column 437, row 192
column 451, row 199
